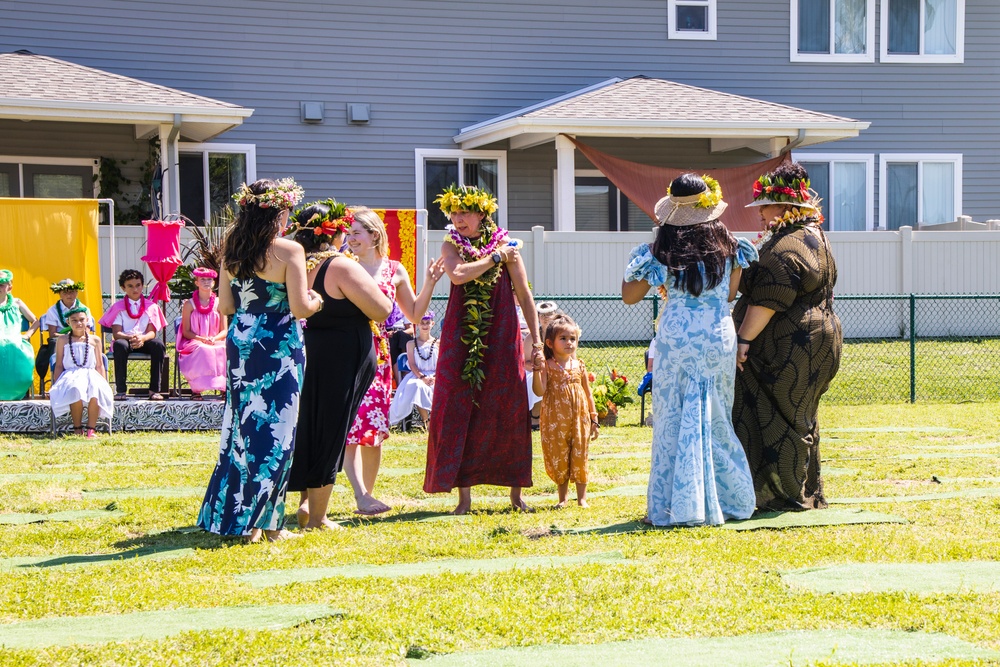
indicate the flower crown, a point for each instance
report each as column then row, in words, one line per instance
column 338, row 221
column 67, row 285
column 286, row 194
column 776, row 189
column 710, row 197
column 457, row 198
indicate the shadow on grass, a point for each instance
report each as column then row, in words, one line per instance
column 149, row 552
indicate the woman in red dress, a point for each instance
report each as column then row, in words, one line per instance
column 481, row 431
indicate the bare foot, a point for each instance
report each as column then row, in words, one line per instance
column 646, row 520
column 521, row 506
column 254, row 536
column 324, row 525
column 280, row 535
column 462, row 508
column 582, row 502
column 302, row 516
column 369, row 506
column 561, row 505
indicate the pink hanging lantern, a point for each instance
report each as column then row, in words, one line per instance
column 163, row 253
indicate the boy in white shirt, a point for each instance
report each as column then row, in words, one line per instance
column 134, row 322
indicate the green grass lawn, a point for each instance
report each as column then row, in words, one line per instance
column 699, row 582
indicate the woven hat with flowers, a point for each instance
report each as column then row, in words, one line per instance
column 695, row 209
column 337, row 221
column 771, row 188
column 457, row 198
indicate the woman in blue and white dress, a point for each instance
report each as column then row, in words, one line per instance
column 264, row 288
column 699, row 474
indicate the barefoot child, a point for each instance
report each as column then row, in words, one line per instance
column 568, row 419
column 79, row 376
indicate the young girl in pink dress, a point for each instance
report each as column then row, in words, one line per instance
column 368, row 241
column 201, row 347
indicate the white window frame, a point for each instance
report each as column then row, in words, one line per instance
column 589, row 173
column 831, row 158
column 867, row 57
column 922, row 58
column 885, row 158
column 674, row 33
column 21, row 160
column 421, row 155
column 249, row 150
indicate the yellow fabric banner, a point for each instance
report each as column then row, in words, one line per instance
column 46, row 240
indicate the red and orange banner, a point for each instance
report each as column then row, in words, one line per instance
column 401, row 226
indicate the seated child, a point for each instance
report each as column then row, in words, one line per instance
column 416, row 390
column 201, row 346
column 53, row 322
column 134, row 322
column 15, row 350
column 79, row 376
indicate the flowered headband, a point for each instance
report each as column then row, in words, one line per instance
column 428, row 316
column 457, row 198
column 204, row 272
column 76, row 309
column 67, row 285
column 338, row 221
column 5, row 276
column 771, row 189
column 285, row 194
column 682, row 211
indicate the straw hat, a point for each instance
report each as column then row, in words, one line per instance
column 695, row 209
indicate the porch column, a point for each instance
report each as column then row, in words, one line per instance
column 566, row 185
column 169, row 159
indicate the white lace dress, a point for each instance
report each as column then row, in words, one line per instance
column 81, row 383
column 412, row 391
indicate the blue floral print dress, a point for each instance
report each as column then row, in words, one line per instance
column 699, row 473
column 265, row 361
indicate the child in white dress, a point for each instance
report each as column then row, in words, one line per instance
column 416, row 389
column 79, row 376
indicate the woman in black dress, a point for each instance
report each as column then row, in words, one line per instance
column 340, row 357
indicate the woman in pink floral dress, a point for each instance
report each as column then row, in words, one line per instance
column 367, row 239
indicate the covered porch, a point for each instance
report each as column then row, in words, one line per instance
column 663, row 126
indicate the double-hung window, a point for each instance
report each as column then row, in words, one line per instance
column 833, row 30
column 51, row 178
column 691, row 19
column 437, row 169
column 845, row 182
column 919, row 190
column 923, row 31
column 210, row 174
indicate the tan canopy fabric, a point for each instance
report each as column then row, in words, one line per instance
column 645, row 184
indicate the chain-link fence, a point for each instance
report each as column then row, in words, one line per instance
column 897, row 348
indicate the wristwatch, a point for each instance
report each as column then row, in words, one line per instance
column 496, row 257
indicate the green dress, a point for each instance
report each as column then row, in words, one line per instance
column 17, row 358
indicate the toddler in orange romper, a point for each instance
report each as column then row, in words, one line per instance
column 568, row 418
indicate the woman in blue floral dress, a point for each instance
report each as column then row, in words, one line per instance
column 267, row 296
column 699, row 473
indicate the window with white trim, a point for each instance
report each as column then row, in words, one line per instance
column 49, row 178
column 845, row 182
column 210, row 173
column 919, row 189
column 437, row 169
column 833, row 30
column 601, row 206
column 923, row 31
column 691, row 19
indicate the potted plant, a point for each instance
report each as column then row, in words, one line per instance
column 610, row 394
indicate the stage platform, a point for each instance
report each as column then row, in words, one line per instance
column 130, row 415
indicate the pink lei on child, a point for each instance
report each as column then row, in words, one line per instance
column 371, row 427
column 203, row 364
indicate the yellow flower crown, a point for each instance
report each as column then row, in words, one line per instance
column 710, row 197
column 457, row 198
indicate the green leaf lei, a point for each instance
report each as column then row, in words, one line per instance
column 478, row 315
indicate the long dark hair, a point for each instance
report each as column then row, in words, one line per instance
column 696, row 254
column 306, row 236
column 249, row 238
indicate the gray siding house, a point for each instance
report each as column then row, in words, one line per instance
column 892, row 104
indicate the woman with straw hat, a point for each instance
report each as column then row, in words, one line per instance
column 789, row 343
column 699, row 472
